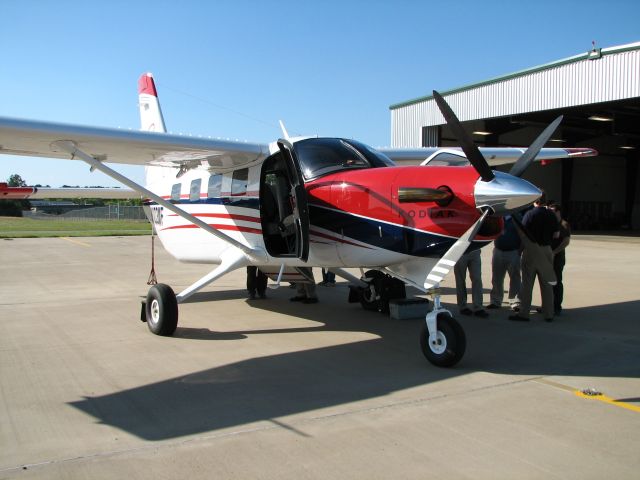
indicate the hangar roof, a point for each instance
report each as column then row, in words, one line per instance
column 599, row 76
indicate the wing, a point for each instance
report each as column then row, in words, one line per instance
column 494, row 155
column 38, row 139
column 34, row 193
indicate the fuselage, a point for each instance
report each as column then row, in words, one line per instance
column 356, row 218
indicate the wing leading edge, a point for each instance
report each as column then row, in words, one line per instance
column 41, row 139
column 494, row 155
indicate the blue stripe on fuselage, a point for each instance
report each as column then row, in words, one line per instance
column 396, row 238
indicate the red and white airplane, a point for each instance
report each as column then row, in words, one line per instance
column 304, row 202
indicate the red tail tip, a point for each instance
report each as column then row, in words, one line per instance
column 147, row 85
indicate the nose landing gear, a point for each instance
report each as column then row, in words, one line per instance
column 442, row 339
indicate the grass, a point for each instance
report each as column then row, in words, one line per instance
column 14, row 227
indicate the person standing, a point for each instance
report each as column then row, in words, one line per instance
column 506, row 258
column 469, row 261
column 306, row 292
column 256, row 282
column 328, row 278
column 558, row 245
column 540, row 226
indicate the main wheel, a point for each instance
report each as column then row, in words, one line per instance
column 449, row 344
column 162, row 310
column 370, row 296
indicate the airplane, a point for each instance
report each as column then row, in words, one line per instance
column 303, row 202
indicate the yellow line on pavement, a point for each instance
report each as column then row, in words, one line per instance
column 611, row 401
column 77, row 242
column 591, row 396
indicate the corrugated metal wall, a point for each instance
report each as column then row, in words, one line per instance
column 614, row 76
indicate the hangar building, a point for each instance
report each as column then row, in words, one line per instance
column 598, row 92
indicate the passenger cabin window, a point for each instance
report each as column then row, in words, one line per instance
column 175, row 192
column 239, row 181
column 194, row 192
column 215, row 186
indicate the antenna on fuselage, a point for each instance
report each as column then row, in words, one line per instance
column 284, row 130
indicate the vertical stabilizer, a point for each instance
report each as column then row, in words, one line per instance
column 151, row 119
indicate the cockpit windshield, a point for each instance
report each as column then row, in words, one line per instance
column 321, row 156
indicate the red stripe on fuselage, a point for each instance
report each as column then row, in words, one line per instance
column 244, row 218
column 235, row 228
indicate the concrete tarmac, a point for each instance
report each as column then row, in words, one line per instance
column 272, row 389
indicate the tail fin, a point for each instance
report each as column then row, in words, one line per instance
column 151, row 119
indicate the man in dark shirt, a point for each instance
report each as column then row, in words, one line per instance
column 540, row 226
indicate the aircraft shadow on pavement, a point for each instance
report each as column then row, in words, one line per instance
column 595, row 341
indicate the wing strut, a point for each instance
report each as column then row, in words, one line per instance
column 71, row 147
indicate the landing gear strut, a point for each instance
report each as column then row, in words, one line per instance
column 442, row 339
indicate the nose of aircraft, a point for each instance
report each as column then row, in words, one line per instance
column 505, row 193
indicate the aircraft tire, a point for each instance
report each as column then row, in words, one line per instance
column 366, row 300
column 452, row 342
column 162, row 310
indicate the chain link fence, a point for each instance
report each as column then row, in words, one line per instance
column 108, row 212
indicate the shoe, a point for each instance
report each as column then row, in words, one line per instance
column 331, row 284
column 323, row 284
column 515, row 308
column 297, row 298
column 481, row 313
column 492, row 306
column 310, row 300
column 539, row 309
column 518, row 318
column 262, row 295
column 557, row 310
column 252, row 296
column 466, row 311
column 548, row 320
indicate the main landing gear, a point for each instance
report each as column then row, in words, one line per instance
column 160, row 310
column 381, row 288
column 442, row 339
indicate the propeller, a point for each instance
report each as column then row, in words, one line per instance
column 472, row 152
column 469, row 148
column 527, row 157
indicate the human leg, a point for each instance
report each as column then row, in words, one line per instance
column 498, row 271
column 475, row 274
column 513, row 265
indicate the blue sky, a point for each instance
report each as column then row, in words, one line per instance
column 234, row 68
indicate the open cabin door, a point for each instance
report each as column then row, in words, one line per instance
column 284, row 211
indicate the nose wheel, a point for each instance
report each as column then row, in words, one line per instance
column 446, row 344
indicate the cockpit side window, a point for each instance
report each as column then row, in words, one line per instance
column 320, row 156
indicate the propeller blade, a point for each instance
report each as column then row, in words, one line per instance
column 451, row 257
column 527, row 157
column 469, row 148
